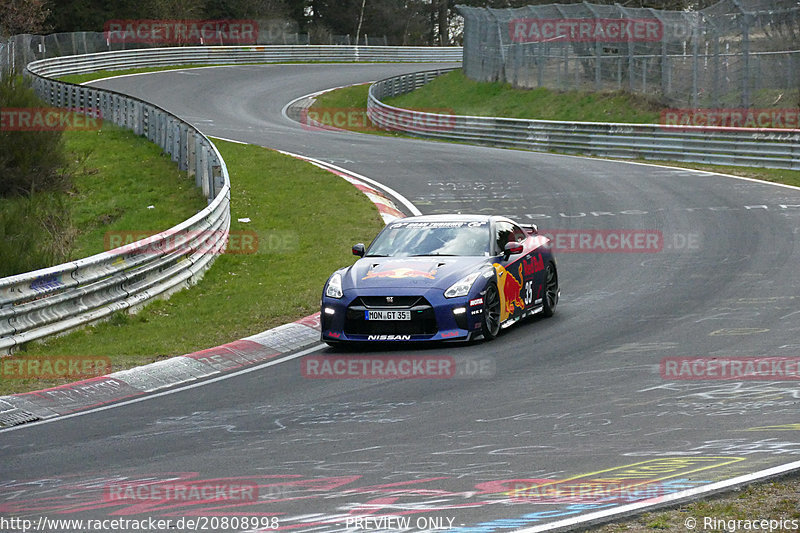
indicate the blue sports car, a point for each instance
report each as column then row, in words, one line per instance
column 441, row 277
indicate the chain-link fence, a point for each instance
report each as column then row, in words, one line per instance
column 20, row 50
column 735, row 53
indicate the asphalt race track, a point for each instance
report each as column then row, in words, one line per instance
column 578, row 400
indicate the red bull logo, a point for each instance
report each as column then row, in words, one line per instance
column 510, row 290
column 401, row 273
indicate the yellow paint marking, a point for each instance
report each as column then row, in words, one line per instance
column 649, row 472
column 784, row 427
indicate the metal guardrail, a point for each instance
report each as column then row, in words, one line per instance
column 56, row 299
column 237, row 55
column 768, row 148
column 53, row 300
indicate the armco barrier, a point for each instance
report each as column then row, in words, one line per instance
column 53, row 300
column 768, row 148
column 237, row 55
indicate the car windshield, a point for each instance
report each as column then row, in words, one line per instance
column 432, row 238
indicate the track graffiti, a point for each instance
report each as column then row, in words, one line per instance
column 351, row 496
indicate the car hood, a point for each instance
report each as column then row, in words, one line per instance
column 410, row 272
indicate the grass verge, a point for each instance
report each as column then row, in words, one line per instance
column 120, row 183
column 467, row 97
column 770, row 500
column 242, row 294
column 125, row 184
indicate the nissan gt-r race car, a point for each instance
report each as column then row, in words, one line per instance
column 441, row 277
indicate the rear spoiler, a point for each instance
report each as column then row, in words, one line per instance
column 532, row 229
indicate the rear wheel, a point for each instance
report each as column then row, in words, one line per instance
column 490, row 324
column 550, row 290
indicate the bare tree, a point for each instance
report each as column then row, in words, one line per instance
column 23, row 16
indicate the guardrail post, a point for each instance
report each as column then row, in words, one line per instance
column 162, row 131
column 169, row 146
column 202, row 171
column 209, row 172
column 216, row 173
column 139, row 119
column 130, row 119
column 176, row 143
column 183, row 146
column 191, row 149
column 150, row 123
column 198, row 166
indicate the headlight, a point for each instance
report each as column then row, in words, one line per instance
column 462, row 286
column 334, row 287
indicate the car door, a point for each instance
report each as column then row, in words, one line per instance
column 511, row 280
column 532, row 269
column 521, row 281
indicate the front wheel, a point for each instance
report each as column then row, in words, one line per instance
column 490, row 324
column 551, row 291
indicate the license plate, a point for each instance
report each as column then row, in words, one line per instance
column 387, row 315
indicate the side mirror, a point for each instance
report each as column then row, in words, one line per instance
column 512, row 248
column 358, row 249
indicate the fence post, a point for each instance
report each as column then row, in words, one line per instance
column 540, row 65
column 746, row 61
column 716, row 90
column 695, row 62
column 597, row 74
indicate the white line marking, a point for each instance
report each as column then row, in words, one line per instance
column 171, row 391
column 229, row 140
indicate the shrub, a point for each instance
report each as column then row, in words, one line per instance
column 35, row 232
column 30, row 161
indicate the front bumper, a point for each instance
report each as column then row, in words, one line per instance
column 433, row 317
